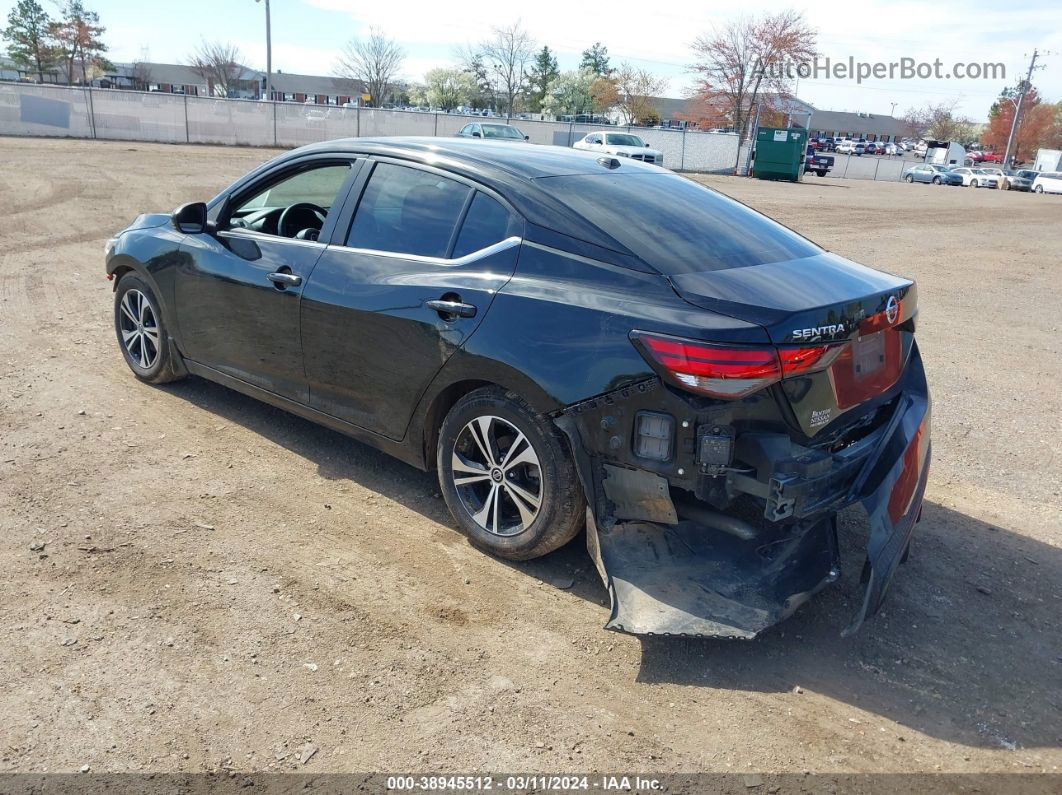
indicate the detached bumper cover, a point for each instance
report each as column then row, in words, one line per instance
column 687, row 579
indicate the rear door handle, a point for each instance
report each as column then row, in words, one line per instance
column 285, row 279
column 451, row 308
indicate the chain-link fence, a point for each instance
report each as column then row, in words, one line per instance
column 61, row 111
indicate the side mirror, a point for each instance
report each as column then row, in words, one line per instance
column 527, row 137
column 477, row 135
column 647, row 146
column 191, row 218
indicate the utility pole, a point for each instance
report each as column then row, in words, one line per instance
column 269, row 53
column 892, row 110
column 1025, row 86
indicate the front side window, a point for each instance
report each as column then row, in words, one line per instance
column 487, row 223
column 407, row 211
column 313, row 189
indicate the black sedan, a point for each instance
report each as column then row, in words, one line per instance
column 570, row 340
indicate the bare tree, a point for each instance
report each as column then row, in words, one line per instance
column 373, row 62
column 747, row 57
column 141, row 70
column 220, row 65
column 508, row 56
column 637, row 90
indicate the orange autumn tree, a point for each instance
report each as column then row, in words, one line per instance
column 1037, row 128
column 741, row 63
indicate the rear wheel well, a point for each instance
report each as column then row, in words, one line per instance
column 439, row 408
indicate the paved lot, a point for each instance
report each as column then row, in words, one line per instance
column 224, row 585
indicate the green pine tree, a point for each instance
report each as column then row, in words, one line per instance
column 29, row 41
column 543, row 71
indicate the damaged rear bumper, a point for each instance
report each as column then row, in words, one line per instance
column 690, row 566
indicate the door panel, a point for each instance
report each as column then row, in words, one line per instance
column 233, row 318
column 238, row 289
column 372, row 344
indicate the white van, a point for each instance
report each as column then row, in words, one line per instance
column 1048, row 182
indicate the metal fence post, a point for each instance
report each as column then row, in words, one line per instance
column 357, row 119
column 92, row 111
column 187, row 133
column 847, row 160
column 682, row 157
column 877, row 165
column 571, row 130
column 273, row 102
column 436, row 132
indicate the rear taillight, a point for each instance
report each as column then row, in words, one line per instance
column 728, row 371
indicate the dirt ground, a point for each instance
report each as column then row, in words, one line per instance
column 194, row 581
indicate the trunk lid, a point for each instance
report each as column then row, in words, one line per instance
column 860, row 313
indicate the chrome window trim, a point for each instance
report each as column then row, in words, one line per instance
column 495, row 248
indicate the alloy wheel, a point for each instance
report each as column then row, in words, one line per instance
column 139, row 327
column 497, row 475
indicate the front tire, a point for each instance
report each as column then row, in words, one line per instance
column 142, row 335
column 909, row 179
column 507, row 476
column 1038, row 189
column 936, row 180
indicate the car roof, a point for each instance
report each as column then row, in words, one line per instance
column 494, row 159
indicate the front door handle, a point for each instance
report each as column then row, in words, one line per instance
column 451, row 309
column 285, row 279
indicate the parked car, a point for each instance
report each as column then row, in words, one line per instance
column 1047, row 182
column 983, row 178
column 975, row 155
column 620, row 144
column 817, row 163
column 931, row 172
column 567, row 342
column 499, row 132
column 859, row 149
column 991, row 156
column 893, row 149
column 874, row 148
column 967, row 175
column 846, row 147
column 1018, row 179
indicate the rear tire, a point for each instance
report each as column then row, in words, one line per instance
column 936, row 180
column 507, row 476
column 142, row 336
column 1038, row 189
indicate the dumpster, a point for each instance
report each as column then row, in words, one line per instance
column 780, row 153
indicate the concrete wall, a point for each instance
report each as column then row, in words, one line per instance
column 61, row 111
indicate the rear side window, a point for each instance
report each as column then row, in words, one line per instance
column 675, row 224
column 486, row 224
column 407, row 211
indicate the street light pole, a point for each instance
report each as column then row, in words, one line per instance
column 269, row 53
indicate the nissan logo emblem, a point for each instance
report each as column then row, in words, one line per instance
column 892, row 309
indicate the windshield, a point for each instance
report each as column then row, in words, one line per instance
column 620, row 139
column 676, row 224
column 502, row 131
column 938, row 168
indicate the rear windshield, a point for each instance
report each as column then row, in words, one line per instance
column 677, row 225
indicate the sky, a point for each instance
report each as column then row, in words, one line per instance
column 308, row 34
